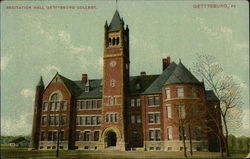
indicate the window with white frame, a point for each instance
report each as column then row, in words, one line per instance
column 86, row 135
column 154, row 118
column 42, row 136
column 151, row 135
column 154, row 134
column 169, row 111
column 138, row 119
column 115, row 100
column 45, row 106
column 168, row 96
column 98, row 120
column 132, row 102
column 138, row 102
column 110, row 100
column 93, row 120
column 180, row 92
column 169, row 133
column 44, row 120
column 77, row 135
column 111, row 118
column 158, row 134
column 64, row 105
column 88, row 120
column 63, row 120
column 96, row 135
column 112, row 83
column 150, row 100
column 116, row 117
column 132, row 119
column 181, row 111
column 107, row 118
column 94, row 106
column 61, row 136
column 99, row 104
column 197, row 132
column 153, row 101
column 82, row 120
column 156, row 100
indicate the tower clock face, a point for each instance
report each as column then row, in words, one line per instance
column 112, row 64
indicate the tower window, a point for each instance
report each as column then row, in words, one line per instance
column 117, row 40
column 54, row 97
column 113, row 41
column 109, row 41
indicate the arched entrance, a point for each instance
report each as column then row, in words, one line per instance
column 111, row 138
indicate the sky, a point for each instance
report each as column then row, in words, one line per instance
column 41, row 42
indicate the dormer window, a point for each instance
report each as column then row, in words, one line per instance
column 138, row 86
column 86, row 89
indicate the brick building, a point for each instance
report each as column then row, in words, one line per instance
column 124, row 112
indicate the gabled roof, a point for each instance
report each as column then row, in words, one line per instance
column 144, row 82
column 210, row 95
column 157, row 84
column 182, row 75
column 95, row 89
column 116, row 23
column 17, row 140
column 73, row 88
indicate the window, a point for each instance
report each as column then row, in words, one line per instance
column 150, row 100
column 169, row 131
column 169, row 111
column 113, row 41
column 44, row 120
column 197, row 132
column 112, row 83
column 138, row 118
column 99, row 103
column 181, row 110
column 157, row 118
column 86, row 89
column 151, row 118
column 52, row 106
column 180, row 92
column 135, row 136
column 116, row 117
column 132, row 119
column 83, row 103
column 168, row 96
column 78, row 105
column 158, row 135
column 111, row 118
column 77, row 136
column 61, row 136
column 77, row 120
column 151, row 135
column 110, row 101
column 88, row 120
column 98, row 120
column 94, row 106
column 63, row 120
column 51, row 120
column 82, row 120
column 195, row 92
column 54, row 97
column 86, row 135
column 132, row 102
column 57, row 106
column 57, row 119
column 45, row 106
column 96, row 135
column 138, row 86
column 88, row 104
column 153, row 100
column 115, row 101
column 50, row 136
column 107, row 118
column 154, row 118
column 138, row 102
column 117, row 40
column 93, row 120
column 54, row 135
column 64, row 105
column 42, row 136
column 156, row 100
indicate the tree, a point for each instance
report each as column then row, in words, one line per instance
column 226, row 89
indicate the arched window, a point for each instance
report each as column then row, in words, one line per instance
column 117, row 40
column 113, row 41
column 54, row 97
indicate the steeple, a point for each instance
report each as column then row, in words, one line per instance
column 40, row 83
column 116, row 23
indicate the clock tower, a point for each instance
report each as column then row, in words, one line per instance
column 115, row 83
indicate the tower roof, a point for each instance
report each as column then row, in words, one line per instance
column 40, row 83
column 182, row 75
column 116, row 23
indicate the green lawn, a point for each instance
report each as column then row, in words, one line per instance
column 77, row 154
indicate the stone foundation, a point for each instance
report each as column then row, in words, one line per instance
column 52, row 145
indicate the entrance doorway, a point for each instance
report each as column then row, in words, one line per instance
column 111, row 138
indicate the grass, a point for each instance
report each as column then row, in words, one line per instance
column 77, row 154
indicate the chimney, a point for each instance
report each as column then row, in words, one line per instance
column 84, row 78
column 165, row 63
column 143, row 73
